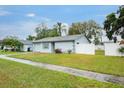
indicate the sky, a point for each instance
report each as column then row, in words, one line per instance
column 21, row 21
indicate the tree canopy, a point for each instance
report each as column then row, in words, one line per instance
column 43, row 31
column 12, row 42
column 114, row 23
column 30, row 38
column 86, row 27
column 89, row 28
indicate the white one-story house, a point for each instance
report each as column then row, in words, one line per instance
column 75, row 43
column 65, row 42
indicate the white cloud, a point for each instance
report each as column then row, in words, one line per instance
column 31, row 15
column 3, row 12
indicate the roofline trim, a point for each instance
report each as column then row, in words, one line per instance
column 53, row 41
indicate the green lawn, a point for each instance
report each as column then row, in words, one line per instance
column 13, row 74
column 97, row 63
column 3, row 52
column 99, row 52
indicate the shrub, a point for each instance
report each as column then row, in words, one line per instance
column 69, row 51
column 58, row 51
column 121, row 50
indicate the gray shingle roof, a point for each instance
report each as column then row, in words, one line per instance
column 26, row 42
column 59, row 38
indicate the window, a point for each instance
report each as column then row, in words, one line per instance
column 45, row 45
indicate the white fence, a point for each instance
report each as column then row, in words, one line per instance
column 111, row 49
column 85, row 49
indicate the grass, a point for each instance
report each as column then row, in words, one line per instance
column 13, row 74
column 3, row 52
column 99, row 52
column 97, row 63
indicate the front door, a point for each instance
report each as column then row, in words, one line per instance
column 53, row 47
column 28, row 49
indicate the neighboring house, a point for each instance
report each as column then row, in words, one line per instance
column 27, row 45
column 65, row 42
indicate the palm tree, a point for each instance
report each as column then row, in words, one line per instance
column 59, row 24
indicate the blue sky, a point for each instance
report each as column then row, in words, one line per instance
column 22, row 20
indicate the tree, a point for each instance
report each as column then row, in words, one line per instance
column 89, row 28
column 30, row 38
column 1, row 46
column 109, row 25
column 120, row 22
column 41, row 31
column 76, row 28
column 53, row 32
column 12, row 42
column 59, row 24
column 96, row 41
column 93, row 29
column 83, row 27
column 114, row 25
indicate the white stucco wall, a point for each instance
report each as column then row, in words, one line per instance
column 38, row 47
column 82, row 46
column 64, row 46
column 111, row 49
column 25, row 47
column 85, row 49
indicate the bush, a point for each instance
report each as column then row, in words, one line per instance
column 6, row 50
column 58, row 51
column 69, row 51
column 121, row 50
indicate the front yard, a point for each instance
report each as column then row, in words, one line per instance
column 98, row 63
column 13, row 74
column 3, row 52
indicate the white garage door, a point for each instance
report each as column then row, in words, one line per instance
column 64, row 46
